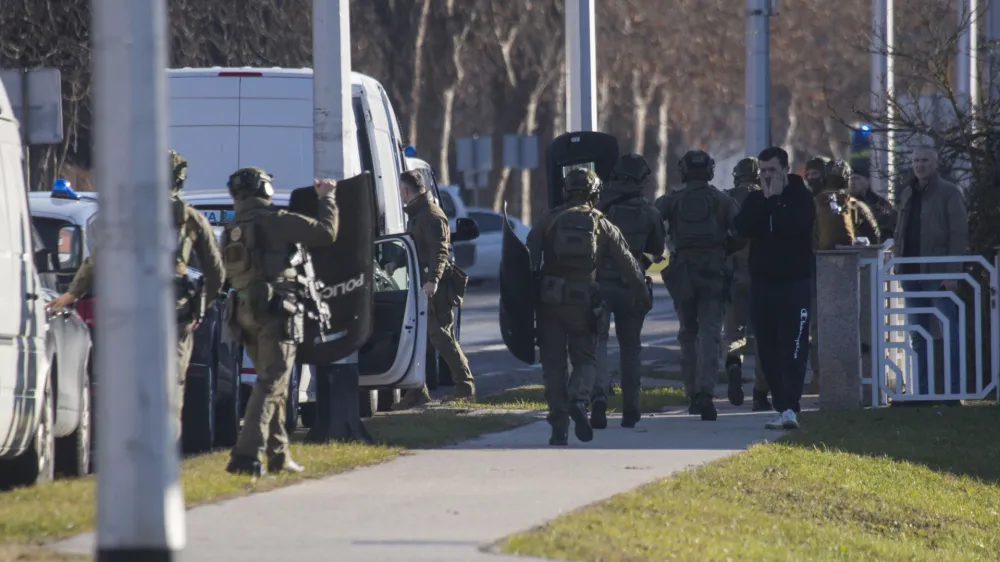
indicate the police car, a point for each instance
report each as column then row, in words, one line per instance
column 65, row 219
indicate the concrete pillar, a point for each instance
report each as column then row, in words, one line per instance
column 838, row 309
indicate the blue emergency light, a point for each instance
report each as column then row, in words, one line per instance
column 410, row 152
column 62, row 189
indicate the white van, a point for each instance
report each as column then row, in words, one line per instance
column 27, row 401
column 223, row 119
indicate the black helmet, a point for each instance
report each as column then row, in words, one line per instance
column 836, row 175
column 178, row 171
column 250, row 182
column 582, row 181
column 632, row 166
column 697, row 164
column 747, row 170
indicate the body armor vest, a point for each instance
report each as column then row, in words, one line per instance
column 571, row 244
column 695, row 223
column 635, row 229
column 250, row 258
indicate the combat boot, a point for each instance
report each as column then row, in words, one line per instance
column 694, row 408
column 629, row 419
column 734, row 372
column 412, row 399
column 283, row 462
column 581, row 423
column 560, row 437
column 760, row 402
column 598, row 414
column 707, row 407
column 242, row 464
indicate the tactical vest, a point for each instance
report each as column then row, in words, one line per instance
column 248, row 256
column 635, row 228
column 833, row 226
column 571, row 244
column 185, row 242
column 696, row 223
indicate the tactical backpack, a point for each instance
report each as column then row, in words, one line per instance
column 696, row 221
column 833, row 226
column 574, row 240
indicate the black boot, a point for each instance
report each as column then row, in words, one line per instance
column 629, row 419
column 694, row 408
column 241, row 464
column 581, row 423
column 734, row 372
column 760, row 402
column 598, row 414
column 707, row 407
column 560, row 437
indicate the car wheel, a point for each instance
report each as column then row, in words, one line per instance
column 35, row 465
column 292, row 406
column 431, row 368
column 227, row 417
column 367, row 402
column 388, row 397
column 73, row 451
column 308, row 414
column 197, row 417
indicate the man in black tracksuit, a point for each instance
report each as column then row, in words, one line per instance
column 778, row 221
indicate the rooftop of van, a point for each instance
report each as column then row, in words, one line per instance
column 41, row 203
column 249, row 71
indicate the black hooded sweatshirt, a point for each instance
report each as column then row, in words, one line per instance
column 780, row 230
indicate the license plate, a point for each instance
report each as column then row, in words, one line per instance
column 217, row 217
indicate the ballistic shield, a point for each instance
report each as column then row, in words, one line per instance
column 517, row 296
column 586, row 149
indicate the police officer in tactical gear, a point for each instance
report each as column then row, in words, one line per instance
column 640, row 224
column 564, row 247
column 737, row 331
column 814, row 174
column 860, row 188
column 257, row 248
column 700, row 232
column 194, row 234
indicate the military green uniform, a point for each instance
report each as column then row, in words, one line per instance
column 700, row 227
column 642, row 228
column 737, row 330
column 564, row 248
column 83, row 280
column 256, row 249
column 428, row 225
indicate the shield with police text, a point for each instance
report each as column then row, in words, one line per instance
column 517, row 296
column 585, row 149
column 345, row 268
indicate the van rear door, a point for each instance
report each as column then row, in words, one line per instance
column 276, row 127
column 204, row 127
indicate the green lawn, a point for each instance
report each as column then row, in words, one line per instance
column 31, row 516
column 651, row 400
column 888, row 484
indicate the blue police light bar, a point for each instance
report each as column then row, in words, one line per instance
column 410, row 152
column 62, row 189
column 866, row 128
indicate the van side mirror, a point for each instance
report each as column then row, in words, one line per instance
column 465, row 229
column 70, row 249
column 45, row 261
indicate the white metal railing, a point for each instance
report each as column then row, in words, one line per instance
column 895, row 365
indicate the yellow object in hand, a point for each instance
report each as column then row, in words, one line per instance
column 657, row 267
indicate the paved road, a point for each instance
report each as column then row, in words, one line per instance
column 495, row 368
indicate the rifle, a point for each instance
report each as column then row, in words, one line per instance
column 315, row 308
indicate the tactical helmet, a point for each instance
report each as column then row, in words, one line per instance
column 582, row 181
column 697, row 161
column 836, row 175
column 632, row 166
column 250, row 182
column 747, row 170
column 816, row 163
column 178, row 171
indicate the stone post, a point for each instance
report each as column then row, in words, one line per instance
column 838, row 317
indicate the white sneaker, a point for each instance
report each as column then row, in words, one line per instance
column 789, row 420
column 776, row 423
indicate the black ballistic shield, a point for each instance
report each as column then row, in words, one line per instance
column 517, row 297
column 346, row 270
column 598, row 151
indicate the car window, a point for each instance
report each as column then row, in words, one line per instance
column 447, row 205
column 487, row 222
column 48, row 280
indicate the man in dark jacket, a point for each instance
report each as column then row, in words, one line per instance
column 778, row 221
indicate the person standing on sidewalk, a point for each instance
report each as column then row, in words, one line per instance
column 564, row 246
column 737, row 332
column 778, row 221
column 429, row 227
column 641, row 226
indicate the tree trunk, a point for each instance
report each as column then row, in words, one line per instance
column 831, row 137
column 443, row 170
column 662, row 140
column 790, row 132
column 529, row 128
column 603, row 102
column 559, row 107
column 418, row 63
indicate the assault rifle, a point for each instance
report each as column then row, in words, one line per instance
column 316, row 309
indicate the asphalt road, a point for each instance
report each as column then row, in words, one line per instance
column 496, row 369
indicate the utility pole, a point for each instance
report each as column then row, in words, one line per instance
column 963, row 63
column 334, row 139
column 581, row 66
column 758, row 75
column 140, row 507
column 993, row 37
column 883, row 42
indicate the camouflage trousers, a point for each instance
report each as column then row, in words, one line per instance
column 185, row 345
column 737, row 333
column 628, row 330
column 700, row 336
column 566, row 330
column 273, row 355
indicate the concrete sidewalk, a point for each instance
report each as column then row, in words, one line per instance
column 449, row 504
